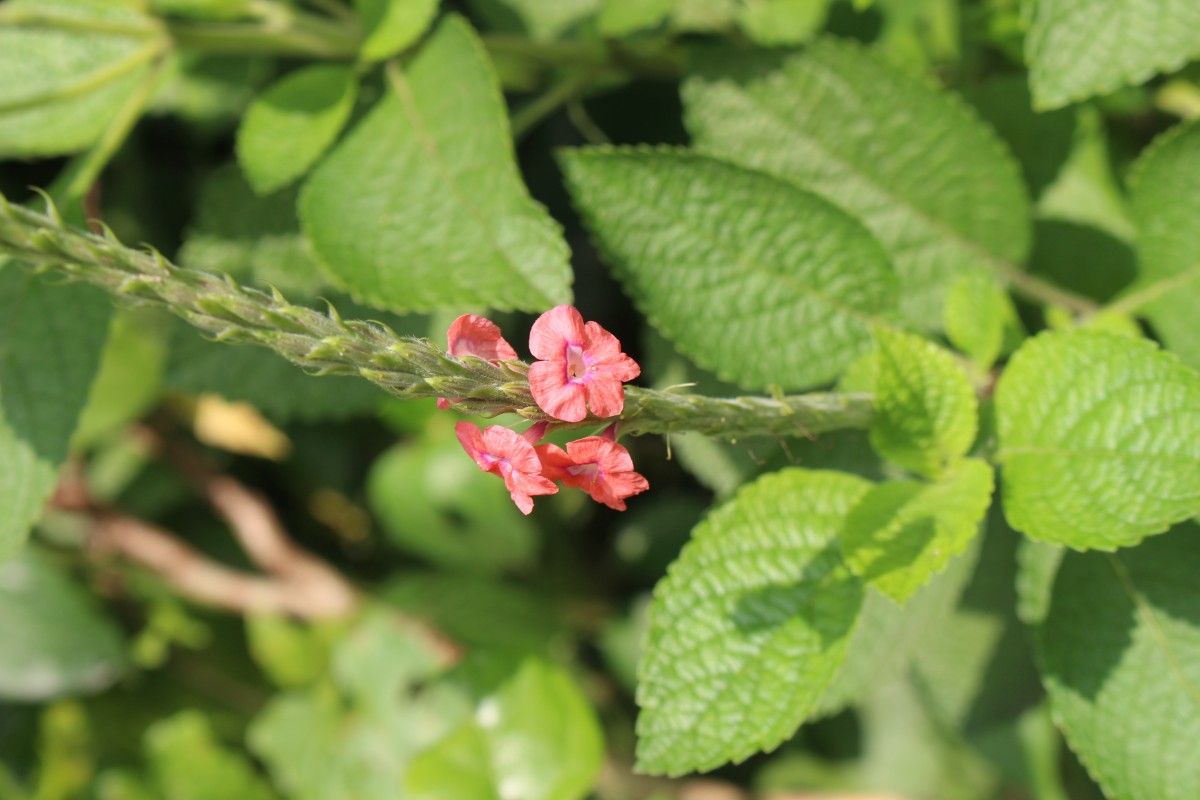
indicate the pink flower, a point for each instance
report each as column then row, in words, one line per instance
column 509, row 455
column 581, row 367
column 472, row 335
column 598, row 466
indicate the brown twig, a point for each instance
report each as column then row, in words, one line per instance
column 294, row 582
column 210, row 583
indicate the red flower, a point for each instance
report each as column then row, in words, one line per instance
column 581, row 367
column 509, row 455
column 472, row 335
column 598, row 466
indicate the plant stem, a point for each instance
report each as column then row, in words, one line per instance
column 75, row 181
column 406, row 367
column 1043, row 292
column 1134, row 301
column 528, row 116
column 280, row 30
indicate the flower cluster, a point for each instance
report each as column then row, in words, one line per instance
column 580, row 370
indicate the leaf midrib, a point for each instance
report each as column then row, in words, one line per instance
column 400, row 84
column 996, row 262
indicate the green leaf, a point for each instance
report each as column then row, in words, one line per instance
column 1165, row 204
column 1077, row 49
column 750, row 625
column 536, row 738
column 421, row 206
column 888, row 637
column 619, row 18
column 1099, row 439
column 904, row 532
column 56, row 641
column 977, row 315
column 291, row 653
column 384, row 655
column 189, row 762
column 975, row 668
column 762, row 282
column 475, row 611
column 435, row 503
column 51, row 340
column 1120, row 657
column 129, row 380
column 457, row 766
column 292, row 123
column 318, row 746
column 60, row 88
column 782, row 22
column 393, row 25
column 926, row 415
column 931, row 181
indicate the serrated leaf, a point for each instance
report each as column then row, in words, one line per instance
column 392, row 25
column 1120, row 657
column 772, row 23
column 1077, row 49
column 926, row 414
column 931, row 181
column 51, row 339
column 902, row 533
column 750, row 625
column 977, row 315
column 1099, row 439
column 622, row 17
column 189, row 763
column 751, row 277
column 421, row 205
column 292, row 123
column 1166, row 203
column 60, row 88
column 56, row 641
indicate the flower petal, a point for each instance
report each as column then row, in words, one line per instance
column 504, row 442
column 471, row 438
column 554, row 394
column 599, row 343
column 552, row 331
column 472, row 335
column 605, row 394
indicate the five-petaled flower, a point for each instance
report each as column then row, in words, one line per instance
column 598, row 466
column 472, row 335
column 581, row 367
column 510, row 455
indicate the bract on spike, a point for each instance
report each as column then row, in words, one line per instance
column 51, row 207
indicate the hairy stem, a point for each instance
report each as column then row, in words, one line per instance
column 324, row 343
